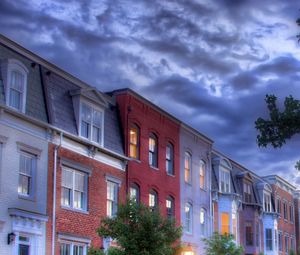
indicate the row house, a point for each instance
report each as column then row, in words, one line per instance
column 250, row 221
column 69, row 155
column 283, row 200
column 152, row 143
column 225, row 197
column 195, row 190
column 62, row 156
column 23, row 154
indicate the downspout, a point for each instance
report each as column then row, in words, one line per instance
column 210, row 195
column 54, row 194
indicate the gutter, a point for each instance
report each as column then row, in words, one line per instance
column 61, row 131
column 54, row 195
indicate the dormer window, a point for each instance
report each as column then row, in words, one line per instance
column 267, row 202
column 247, row 192
column 91, row 123
column 225, row 181
column 16, row 83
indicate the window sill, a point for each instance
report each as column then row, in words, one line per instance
column 171, row 175
column 135, row 160
column 154, row 168
column 74, row 209
column 25, row 197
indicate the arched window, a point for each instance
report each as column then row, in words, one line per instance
column 187, row 167
column 202, row 175
column 188, row 209
column 170, row 205
column 153, row 150
column 135, row 192
column 170, row 159
column 16, row 85
column 153, row 200
column 134, row 142
column 203, row 217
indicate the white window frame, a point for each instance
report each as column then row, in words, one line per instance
column 271, row 231
column 188, row 212
column 72, row 244
column 16, row 65
column 170, row 206
column 170, row 159
column 112, row 202
column 267, row 204
column 188, row 156
column 153, row 150
column 203, row 222
column 202, row 168
column 90, row 130
column 32, row 175
column 227, row 185
column 72, row 197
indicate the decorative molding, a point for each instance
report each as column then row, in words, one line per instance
column 3, row 139
column 73, row 164
column 70, row 237
column 30, row 149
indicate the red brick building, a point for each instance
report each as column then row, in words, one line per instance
column 283, row 195
column 86, row 169
column 152, row 142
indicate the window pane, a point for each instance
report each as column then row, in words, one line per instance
column 187, row 167
column 169, row 159
column 66, row 196
column 67, row 178
column 97, row 118
column 202, row 174
column 85, row 129
column 96, row 134
column 225, row 223
column 15, row 99
column 79, row 181
column 188, row 217
column 78, row 200
column 65, row 249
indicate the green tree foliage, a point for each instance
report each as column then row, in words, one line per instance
column 281, row 125
column 140, row 231
column 222, row 245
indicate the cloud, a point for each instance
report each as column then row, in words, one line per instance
column 209, row 63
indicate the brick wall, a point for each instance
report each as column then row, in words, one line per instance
column 80, row 223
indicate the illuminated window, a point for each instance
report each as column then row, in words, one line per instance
column 153, row 150
column 170, row 205
column 187, row 167
column 225, row 223
column 112, row 198
column 153, row 200
column 134, row 142
column 202, row 172
column 170, row 159
column 225, row 181
column 188, row 217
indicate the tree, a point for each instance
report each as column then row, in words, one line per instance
column 140, row 231
column 281, row 126
column 222, row 245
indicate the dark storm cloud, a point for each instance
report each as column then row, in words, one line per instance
column 210, row 59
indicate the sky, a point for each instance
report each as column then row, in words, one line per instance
column 209, row 63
